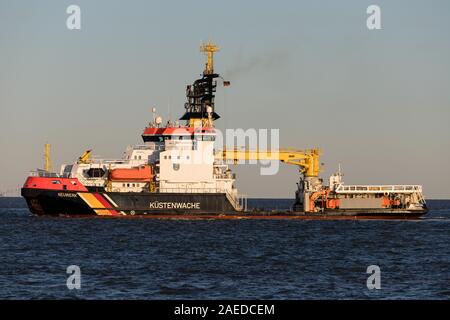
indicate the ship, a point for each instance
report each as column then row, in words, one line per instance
column 177, row 173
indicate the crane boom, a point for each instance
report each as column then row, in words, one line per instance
column 47, row 158
column 85, row 157
column 306, row 160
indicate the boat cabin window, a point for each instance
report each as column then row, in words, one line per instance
column 204, row 138
column 67, row 169
column 153, row 138
column 95, row 172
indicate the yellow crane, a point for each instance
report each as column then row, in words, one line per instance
column 85, row 157
column 306, row 160
column 47, row 158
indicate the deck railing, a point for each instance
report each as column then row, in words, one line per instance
column 46, row 174
column 379, row 189
column 192, row 190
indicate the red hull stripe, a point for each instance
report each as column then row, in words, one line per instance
column 105, row 203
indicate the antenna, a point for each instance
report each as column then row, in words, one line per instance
column 154, row 114
column 168, row 112
column 339, row 169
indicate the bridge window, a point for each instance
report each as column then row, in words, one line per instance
column 204, row 138
column 95, row 172
column 209, row 138
column 153, row 138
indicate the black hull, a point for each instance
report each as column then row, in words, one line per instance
column 50, row 202
column 178, row 205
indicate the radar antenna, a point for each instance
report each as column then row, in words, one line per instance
column 209, row 49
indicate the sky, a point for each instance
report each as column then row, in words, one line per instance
column 376, row 101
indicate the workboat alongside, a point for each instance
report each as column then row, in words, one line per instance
column 178, row 173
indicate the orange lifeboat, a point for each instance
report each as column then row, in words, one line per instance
column 141, row 173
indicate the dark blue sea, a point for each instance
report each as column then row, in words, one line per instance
column 217, row 259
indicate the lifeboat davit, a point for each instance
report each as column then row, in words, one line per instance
column 141, row 173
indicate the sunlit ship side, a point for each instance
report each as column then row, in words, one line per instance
column 177, row 173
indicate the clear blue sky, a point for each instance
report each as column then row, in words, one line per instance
column 376, row 101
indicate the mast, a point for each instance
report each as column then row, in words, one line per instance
column 209, row 49
column 200, row 95
column 47, row 159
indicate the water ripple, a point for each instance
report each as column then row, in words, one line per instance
column 153, row 259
